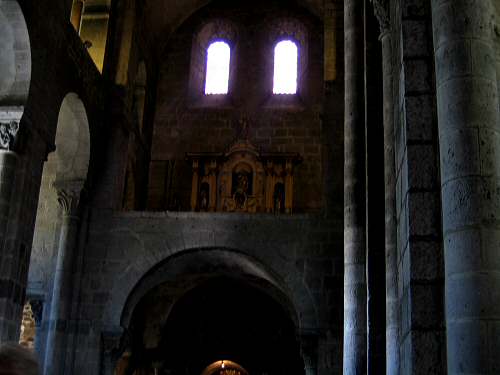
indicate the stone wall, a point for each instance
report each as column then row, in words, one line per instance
column 286, row 124
column 418, row 203
column 304, row 252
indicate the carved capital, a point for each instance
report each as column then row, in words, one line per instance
column 382, row 11
column 68, row 195
column 8, row 132
column 9, row 126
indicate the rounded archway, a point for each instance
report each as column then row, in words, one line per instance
column 66, row 167
column 223, row 318
column 15, row 59
column 72, row 153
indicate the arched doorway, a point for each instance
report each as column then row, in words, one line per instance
column 222, row 318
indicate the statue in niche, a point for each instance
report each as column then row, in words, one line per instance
column 241, row 188
column 204, row 196
column 279, row 198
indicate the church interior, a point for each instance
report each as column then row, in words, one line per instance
column 251, row 187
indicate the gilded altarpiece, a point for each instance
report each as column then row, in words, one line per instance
column 243, row 180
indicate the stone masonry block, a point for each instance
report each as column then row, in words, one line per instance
column 424, row 214
column 427, row 305
column 426, row 260
column 454, row 20
column 490, row 255
column 418, row 75
column 453, row 60
column 483, row 59
column 472, row 296
column 426, row 353
column 467, row 347
column 467, row 102
column 460, row 153
column 469, row 201
column 489, row 147
column 422, row 167
column 419, row 117
column 463, row 252
column 415, row 38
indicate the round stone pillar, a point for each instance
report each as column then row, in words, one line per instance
column 68, row 196
column 382, row 11
column 469, row 140
column 9, row 320
column 391, row 259
column 355, row 330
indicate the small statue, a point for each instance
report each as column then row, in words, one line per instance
column 278, row 198
column 244, row 127
column 240, row 195
column 204, row 197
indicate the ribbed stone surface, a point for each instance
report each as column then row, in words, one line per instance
column 469, row 137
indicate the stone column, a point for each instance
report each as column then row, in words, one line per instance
column 355, row 330
column 194, row 185
column 309, row 351
column 68, row 196
column 37, row 308
column 469, row 140
column 381, row 8
column 9, row 126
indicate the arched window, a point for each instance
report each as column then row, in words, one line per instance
column 217, row 74
column 285, row 68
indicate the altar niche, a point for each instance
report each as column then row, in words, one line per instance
column 242, row 180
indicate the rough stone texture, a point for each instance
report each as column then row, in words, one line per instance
column 420, row 291
column 190, row 123
column 124, row 247
column 468, row 133
column 119, row 257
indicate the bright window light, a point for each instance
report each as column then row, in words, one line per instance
column 217, row 79
column 285, row 68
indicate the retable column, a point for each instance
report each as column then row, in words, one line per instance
column 68, row 196
column 382, row 12
column 355, row 330
column 76, row 14
column 9, row 126
column 469, row 140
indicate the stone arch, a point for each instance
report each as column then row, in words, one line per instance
column 15, row 59
column 68, row 164
column 291, row 293
column 72, row 153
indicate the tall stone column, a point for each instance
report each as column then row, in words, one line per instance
column 382, row 11
column 309, row 351
column 469, row 140
column 9, row 126
column 68, row 196
column 355, row 331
